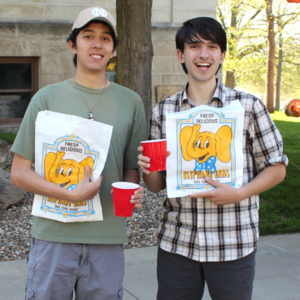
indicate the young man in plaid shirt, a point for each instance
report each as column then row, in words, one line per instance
column 212, row 236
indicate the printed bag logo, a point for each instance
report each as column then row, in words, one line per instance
column 63, row 164
column 205, row 149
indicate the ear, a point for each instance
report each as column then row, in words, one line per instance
column 113, row 53
column 223, row 140
column 185, row 136
column 222, row 57
column 180, row 56
column 72, row 47
column 88, row 161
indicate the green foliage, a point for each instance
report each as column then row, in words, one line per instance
column 8, row 136
column 246, row 27
column 280, row 206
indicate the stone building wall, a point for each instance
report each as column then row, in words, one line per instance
column 39, row 28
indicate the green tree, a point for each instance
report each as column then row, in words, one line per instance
column 243, row 25
column 286, row 16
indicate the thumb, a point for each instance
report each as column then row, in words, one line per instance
column 212, row 182
column 87, row 172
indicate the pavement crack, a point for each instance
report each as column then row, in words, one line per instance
column 131, row 294
column 279, row 248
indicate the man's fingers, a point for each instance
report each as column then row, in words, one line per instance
column 168, row 153
column 140, row 148
column 213, row 182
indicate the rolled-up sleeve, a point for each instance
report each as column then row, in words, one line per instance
column 267, row 143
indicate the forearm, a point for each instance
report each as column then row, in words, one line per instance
column 29, row 181
column 265, row 180
column 154, row 181
column 132, row 175
column 23, row 177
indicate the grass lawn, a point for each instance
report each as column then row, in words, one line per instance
column 280, row 207
column 8, row 136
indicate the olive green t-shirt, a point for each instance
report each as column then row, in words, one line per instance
column 114, row 105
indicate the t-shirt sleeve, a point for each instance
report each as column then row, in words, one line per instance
column 137, row 134
column 267, row 144
column 24, row 141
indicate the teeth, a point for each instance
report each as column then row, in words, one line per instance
column 203, row 64
column 97, row 56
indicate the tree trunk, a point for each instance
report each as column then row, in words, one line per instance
column 135, row 52
column 271, row 57
column 230, row 79
column 279, row 69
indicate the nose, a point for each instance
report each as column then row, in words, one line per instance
column 97, row 44
column 204, row 52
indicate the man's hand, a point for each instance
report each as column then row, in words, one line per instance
column 86, row 190
column 223, row 194
column 144, row 161
column 154, row 181
column 137, row 196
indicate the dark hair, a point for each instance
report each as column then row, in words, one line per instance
column 205, row 27
column 73, row 36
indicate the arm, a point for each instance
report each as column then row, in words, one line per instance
column 23, row 177
column 267, row 148
column 224, row 194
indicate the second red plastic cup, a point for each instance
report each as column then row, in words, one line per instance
column 156, row 150
column 122, row 192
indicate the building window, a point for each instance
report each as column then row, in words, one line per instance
column 19, row 78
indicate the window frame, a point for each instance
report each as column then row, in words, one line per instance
column 34, row 61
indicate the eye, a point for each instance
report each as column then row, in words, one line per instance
column 198, row 144
column 61, row 170
column 206, row 145
column 69, row 172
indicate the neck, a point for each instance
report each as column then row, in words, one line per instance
column 200, row 93
column 90, row 80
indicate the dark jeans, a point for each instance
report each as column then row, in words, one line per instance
column 180, row 278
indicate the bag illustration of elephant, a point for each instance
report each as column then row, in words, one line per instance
column 66, row 173
column 205, row 147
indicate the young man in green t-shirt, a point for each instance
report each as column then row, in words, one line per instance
column 87, row 256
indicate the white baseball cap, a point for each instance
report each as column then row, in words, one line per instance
column 95, row 13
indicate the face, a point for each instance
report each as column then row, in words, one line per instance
column 202, row 59
column 94, row 47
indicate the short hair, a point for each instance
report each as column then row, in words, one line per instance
column 73, row 37
column 205, row 27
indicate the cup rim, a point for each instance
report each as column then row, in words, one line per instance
column 124, row 185
column 153, row 141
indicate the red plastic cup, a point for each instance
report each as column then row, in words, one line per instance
column 156, row 150
column 122, row 192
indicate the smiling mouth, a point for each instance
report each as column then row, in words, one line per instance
column 64, row 184
column 96, row 55
column 202, row 157
column 203, row 65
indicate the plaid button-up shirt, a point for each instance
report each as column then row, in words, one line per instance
column 196, row 227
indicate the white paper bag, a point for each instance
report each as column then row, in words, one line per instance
column 64, row 146
column 204, row 142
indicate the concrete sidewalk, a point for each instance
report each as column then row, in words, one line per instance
column 277, row 272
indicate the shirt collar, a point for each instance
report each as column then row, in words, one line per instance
column 219, row 94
